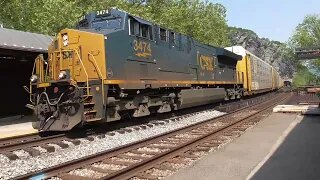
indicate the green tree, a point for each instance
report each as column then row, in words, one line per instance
column 202, row 20
column 306, row 35
column 303, row 77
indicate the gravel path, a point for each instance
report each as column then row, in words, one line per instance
column 27, row 164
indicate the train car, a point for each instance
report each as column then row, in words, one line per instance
column 258, row 76
column 276, row 80
column 117, row 65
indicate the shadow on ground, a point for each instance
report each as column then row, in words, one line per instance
column 298, row 157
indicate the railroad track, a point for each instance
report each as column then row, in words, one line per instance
column 163, row 154
column 29, row 141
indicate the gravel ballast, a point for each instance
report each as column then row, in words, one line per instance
column 27, row 164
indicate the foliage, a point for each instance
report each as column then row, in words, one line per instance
column 202, row 20
column 304, row 77
column 307, row 34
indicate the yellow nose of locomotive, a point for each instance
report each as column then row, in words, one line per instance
column 61, row 87
column 77, row 56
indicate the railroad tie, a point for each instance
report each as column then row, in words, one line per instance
column 32, row 152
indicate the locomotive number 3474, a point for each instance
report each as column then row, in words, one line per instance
column 142, row 49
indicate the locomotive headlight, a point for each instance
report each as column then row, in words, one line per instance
column 62, row 75
column 33, row 78
column 65, row 39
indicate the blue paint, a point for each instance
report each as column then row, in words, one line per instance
column 38, row 177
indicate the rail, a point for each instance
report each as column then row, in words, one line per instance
column 202, row 132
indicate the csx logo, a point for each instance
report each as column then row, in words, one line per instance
column 206, row 62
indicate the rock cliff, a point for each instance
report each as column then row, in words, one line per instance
column 273, row 52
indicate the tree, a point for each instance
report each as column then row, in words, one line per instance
column 307, row 34
column 204, row 21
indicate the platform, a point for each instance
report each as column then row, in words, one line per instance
column 16, row 126
column 303, row 109
column 282, row 146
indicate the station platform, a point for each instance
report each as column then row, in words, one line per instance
column 282, row 146
column 16, row 126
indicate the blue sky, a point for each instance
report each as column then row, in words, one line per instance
column 273, row 19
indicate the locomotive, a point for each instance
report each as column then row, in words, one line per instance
column 116, row 64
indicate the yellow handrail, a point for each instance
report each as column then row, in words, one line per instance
column 85, row 71
column 100, row 74
column 30, row 85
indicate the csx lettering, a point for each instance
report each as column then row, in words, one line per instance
column 143, row 49
column 206, row 62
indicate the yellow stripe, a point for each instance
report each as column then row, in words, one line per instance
column 43, row 85
column 166, row 82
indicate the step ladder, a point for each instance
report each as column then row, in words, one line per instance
column 89, row 113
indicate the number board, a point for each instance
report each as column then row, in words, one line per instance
column 102, row 12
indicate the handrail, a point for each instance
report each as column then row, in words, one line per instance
column 30, row 83
column 85, row 71
column 47, row 70
column 38, row 69
column 100, row 74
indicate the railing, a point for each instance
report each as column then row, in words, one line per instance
column 38, row 70
column 56, row 57
column 85, row 71
column 99, row 73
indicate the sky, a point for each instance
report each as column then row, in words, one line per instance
column 273, row 19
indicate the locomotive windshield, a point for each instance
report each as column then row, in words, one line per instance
column 83, row 24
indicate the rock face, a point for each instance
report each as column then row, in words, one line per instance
column 272, row 52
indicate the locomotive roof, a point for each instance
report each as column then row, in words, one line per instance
column 117, row 12
column 24, row 41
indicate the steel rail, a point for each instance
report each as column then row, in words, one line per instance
column 27, row 141
column 71, row 165
column 131, row 171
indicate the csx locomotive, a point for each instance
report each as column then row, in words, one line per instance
column 116, row 64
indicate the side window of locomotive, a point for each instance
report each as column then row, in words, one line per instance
column 172, row 38
column 163, row 34
column 146, row 31
column 140, row 30
column 134, row 27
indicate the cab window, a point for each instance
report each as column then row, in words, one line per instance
column 163, row 34
column 172, row 38
column 140, row 29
